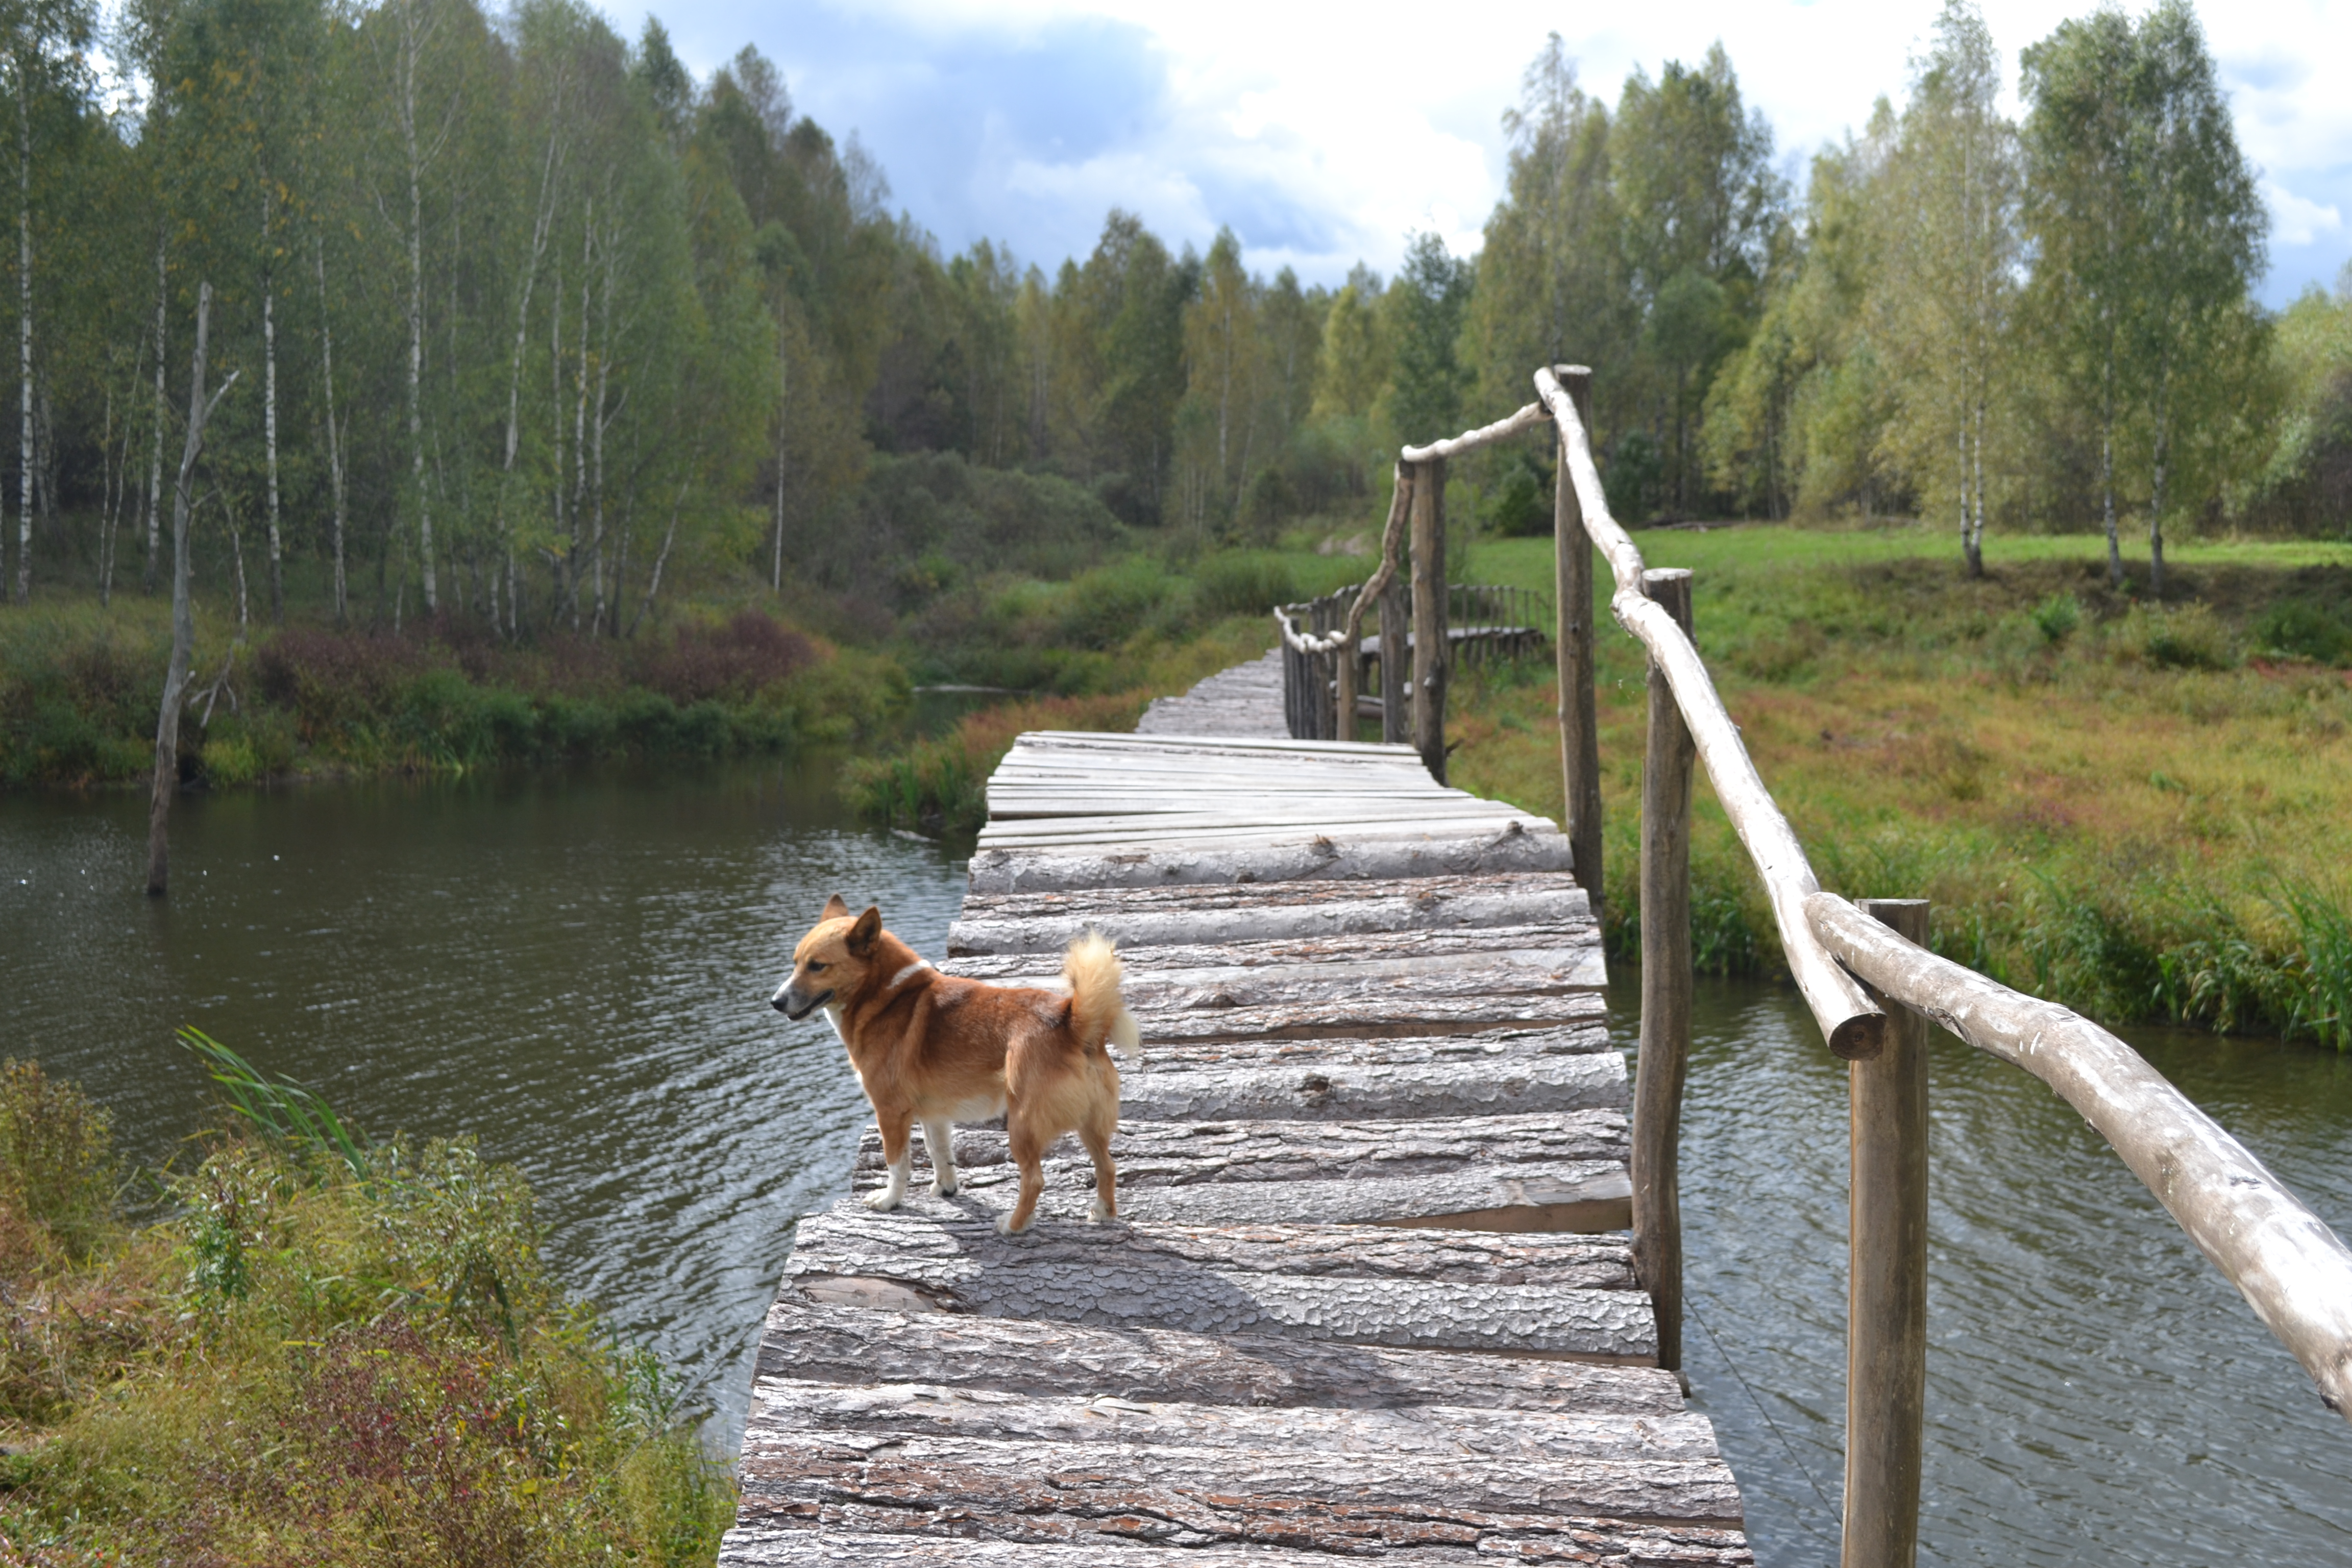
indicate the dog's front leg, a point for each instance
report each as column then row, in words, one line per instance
column 938, row 1142
column 898, row 1149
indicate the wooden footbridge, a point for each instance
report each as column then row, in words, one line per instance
column 1397, row 1272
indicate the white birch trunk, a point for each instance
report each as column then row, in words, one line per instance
column 411, row 45
column 334, row 438
column 162, row 413
column 24, row 344
column 542, row 225
column 555, row 427
column 269, row 407
column 580, row 413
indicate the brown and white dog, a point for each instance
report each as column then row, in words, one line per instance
column 938, row 1049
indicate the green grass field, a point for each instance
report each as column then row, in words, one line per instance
column 2137, row 810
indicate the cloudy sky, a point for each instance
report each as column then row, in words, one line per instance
column 1323, row 134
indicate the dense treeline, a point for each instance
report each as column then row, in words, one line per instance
column 526, row 324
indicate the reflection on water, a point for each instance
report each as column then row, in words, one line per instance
column 574, row 970
column 2097, row 1395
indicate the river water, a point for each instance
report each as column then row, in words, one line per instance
column 574, row 970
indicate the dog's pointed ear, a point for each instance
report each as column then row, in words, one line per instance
column 834, row 910
column 867, row 932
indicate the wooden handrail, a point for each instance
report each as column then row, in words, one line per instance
column 2291, row 1268
column 1852, row 1024
column 1527, row 418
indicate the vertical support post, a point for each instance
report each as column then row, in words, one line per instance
column 1887, row 1325
column 1349, row 665
column 1396, row 630
column 1430, row 646
column 1666, row 772
column 1580, row 718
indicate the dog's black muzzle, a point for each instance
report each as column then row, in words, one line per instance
column 796, row 1007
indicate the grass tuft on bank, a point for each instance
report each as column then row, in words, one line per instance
column 330, row 1350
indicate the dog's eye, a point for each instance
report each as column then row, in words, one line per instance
column 814, row 967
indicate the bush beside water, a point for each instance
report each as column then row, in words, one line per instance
column 329, row 1352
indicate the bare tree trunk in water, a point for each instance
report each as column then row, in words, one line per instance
column 269, row 404
column 162, row 413
column 334, row 437
column 183, row 620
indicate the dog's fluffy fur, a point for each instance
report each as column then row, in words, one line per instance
column 938, row 1049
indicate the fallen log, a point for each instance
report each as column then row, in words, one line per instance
column 804, row 1339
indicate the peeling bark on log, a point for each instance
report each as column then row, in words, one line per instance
column 1049, row 1272
column 808, row 1340
column 1280, row 1497
column 781, row 1538
column 1494, row 1046
column 1476, row 1087
column 1500, row 982
column 1360, row 1015
column 1221, row 912
column 1435, row 951
column 850, row 1238
column 1436, row 1431
column 1173, row 1154
column 1307, row 857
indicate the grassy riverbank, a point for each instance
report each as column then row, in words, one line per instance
column 328, row 1352
column 79, row 686
column 2137, row 810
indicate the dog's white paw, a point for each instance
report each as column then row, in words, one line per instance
column 882, row 1203
column 943, row 1189
column 1004, row 1226
column 1101, row 1212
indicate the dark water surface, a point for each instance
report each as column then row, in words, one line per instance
column 575, row 971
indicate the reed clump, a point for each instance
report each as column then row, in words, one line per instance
column 331, row 1351
column 2133, row 808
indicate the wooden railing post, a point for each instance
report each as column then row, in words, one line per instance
column 1579, row 719
column 1430, row 647
column 1396, row 630
column 1886, row 1324
column 1666, row 772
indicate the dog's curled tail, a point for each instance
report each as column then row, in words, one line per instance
column 1098, row 1015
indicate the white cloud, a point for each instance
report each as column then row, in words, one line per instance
column 2297, row 220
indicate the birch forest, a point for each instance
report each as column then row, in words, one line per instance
column 533, row 330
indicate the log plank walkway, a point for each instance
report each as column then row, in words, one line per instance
column 1370, row 1294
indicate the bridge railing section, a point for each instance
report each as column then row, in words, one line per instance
column 1873, row 984
column 1321, row 653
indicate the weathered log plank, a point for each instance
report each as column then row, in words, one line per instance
column 1515, row 946
column 1282, row 1497
column 786, row 1537
column 1185, row 1154
column 1359, row 1013
column 828, row 1343
column 1306, row 857
column 1269, row 830
column 1479, row 1085
column 1221, row 913
column 884, row 1409
column 1493, row 1046
column 850, row 1238
column 1395, row 986
column 930, row 1255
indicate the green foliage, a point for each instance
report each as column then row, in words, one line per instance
column 2304, row 629
column 1244, row 582
column 284, row 1113
column 307, row 1362
column 2185, row 636
column 57, row 1168
column 2057, row 616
